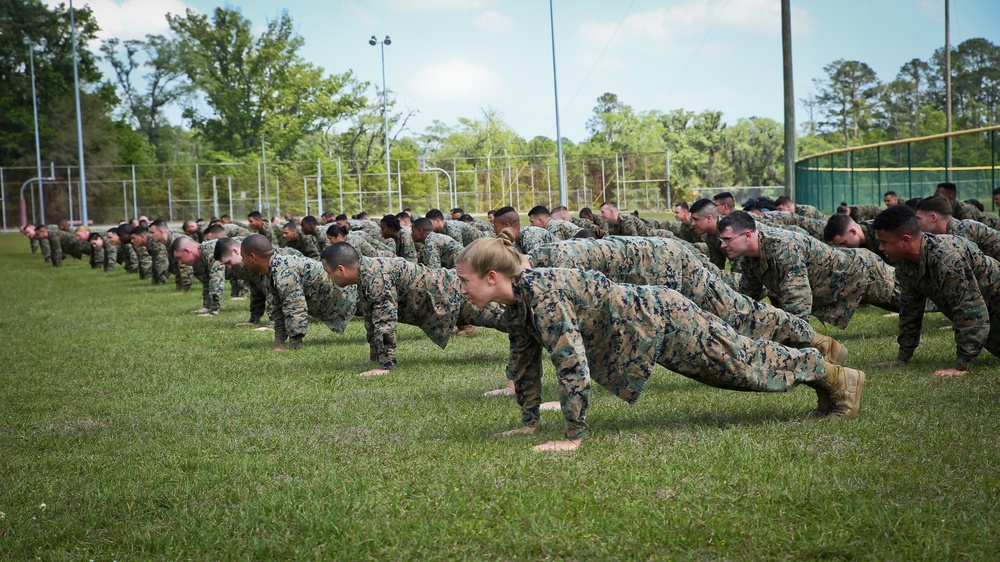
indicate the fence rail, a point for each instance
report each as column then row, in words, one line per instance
column 183, row 191
column 910, row 167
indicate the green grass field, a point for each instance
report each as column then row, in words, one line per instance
column 133, row 430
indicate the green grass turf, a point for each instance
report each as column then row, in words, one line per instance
column 132, row 430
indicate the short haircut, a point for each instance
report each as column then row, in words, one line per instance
column 336, row 230
column 340, row 253
column 423, row 224
column 340, row 217
column 836, row 225
column 290, row 226
column 949, row 187
column 899, row 220
column 586, row 212
column 682, row 205
column 123, row 229
column 559, row 208
column 996, row 191
column 458, row 210
column 258, row 245
column 112, row 230
column 93, row 236
column 309, row 219
column 435, row 214
column 539, row 211
column 935, row 204
column 140, row 231
column 739, row 221
column 507, row 214
column 494, row 212
column 255, row 215
column 363, row 216
column 781, row 200
column 215, row 228
column 912, row 203
column 704, row 205
column 888, row 193
column 402, row 215
column 725, row 198
column 467, row 218
column 611, row 204
column 585, row 233
column 226, row 217
column 179, row 242
column 224, row 247
column 160, row 223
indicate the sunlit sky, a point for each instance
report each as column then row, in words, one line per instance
column 452, row 58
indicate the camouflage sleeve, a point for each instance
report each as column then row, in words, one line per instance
column 110, row 257
column 750, row 285
column 258, row 303
column 717, row 255
column 57, row 251
column 525, row 369
column 911, row 318
column 794, row 290
column 97, row 257
column 275, row 312
column 561, row 336
column 407, row 250
column 294, row 312
column 429, row 256
column 309, row 249
column 145, row 262
column 970, row 316
column 46, row 249
column 383, row 312
column 216, row 286
column 158, row 257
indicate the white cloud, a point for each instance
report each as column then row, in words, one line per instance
column 456, row 80
column 131, row 19
column 693, row 18
column 493, row 21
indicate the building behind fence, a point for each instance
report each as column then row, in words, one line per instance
column 910, row 167
column 189, row 191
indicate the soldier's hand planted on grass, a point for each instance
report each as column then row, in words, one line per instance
column 550, row 406
column 949, row 373
column 561, row 445
column 519, row 431
column 374, row 372
column 200, row 311
column 264, row 329
column 206, row 315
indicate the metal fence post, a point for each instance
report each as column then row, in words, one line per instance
column 319, row 187
column 305, row 193
column 3, row 200
column 230, row 180
column 197, row 183
column 170, row 201
column 215, row 196
column 135, row 196
column 340, row 185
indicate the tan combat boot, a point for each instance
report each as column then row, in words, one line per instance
column 832, row 350
column 844, row 387
column 465, row 331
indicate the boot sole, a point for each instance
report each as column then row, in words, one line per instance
column 862, row 380
column 841, row 357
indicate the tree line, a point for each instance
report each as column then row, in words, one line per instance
column 237, row 89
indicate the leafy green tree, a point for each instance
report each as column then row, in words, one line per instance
column 903, row 98
column 164, row 83
column 755, row 147
column 847, row 96
column 257, row 85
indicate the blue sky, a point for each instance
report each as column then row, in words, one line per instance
column 452, row 58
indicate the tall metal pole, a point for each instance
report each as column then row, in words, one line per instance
column 786, row 58
column 79, row 120
column 947, row 87
column 135, row 194
column 38, row 144
column 563, row 200
column 267, row 188
column 385, row 118
column 319, row 187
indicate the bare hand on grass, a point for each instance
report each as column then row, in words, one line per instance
column 374, row 373
column 949, row 373
column 560, row 445
column 550, row 406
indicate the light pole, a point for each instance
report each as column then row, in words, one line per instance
column 38, row 144
column 563, row 197
column 79, row 121
column 385, row 116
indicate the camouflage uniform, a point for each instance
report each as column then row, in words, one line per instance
column 811, row 277
column 562, row 230
column 144, row 261
column 484, row 228
column 964, row 285
column 393, row 290
column 615, row 334
column 403, row 245
column 304, row 244
column 813, row 227
column 962, row 211
column 716, row 254
column 46, row 249
column 372, row 229
column 986, row 238
column 299, row 288
column 361, row 242
column 686, row 232
column 107, row 255
column 629, row 225
column 670, row 263
column 439, row 251
column 273, row 233
column 864, row 212
column 257, row 284
column 212, row 275
column 531, row 237
column 129, row 259
column 597, row 225
column 63, row 243
column 233, row 230
column 160, row 257
column 464, row 233
column 810, row 212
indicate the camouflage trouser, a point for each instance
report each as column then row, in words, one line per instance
column 129, row 259
column 749, row 317
column 105, row 257
column 706, row 349
column 208, row 300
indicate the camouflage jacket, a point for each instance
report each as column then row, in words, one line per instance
column 273, row 233
column 862, row 213
column 562, row 230
column 871, row 241
column 299, row 288
column 233, row 230
column 986, row 238
column 813, row 227
column 961, row 281
column 811, row 277
column 629, row 225
column 212, row 275
column 531, row 237
column 962, row 211
column 810, row 212
column 393, row 290
column 363, row 243
column 439, row 250
column 461, row 232
column 304, row 244
column 403, row 245
column 62, row 243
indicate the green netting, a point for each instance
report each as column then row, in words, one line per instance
column 912, row 169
